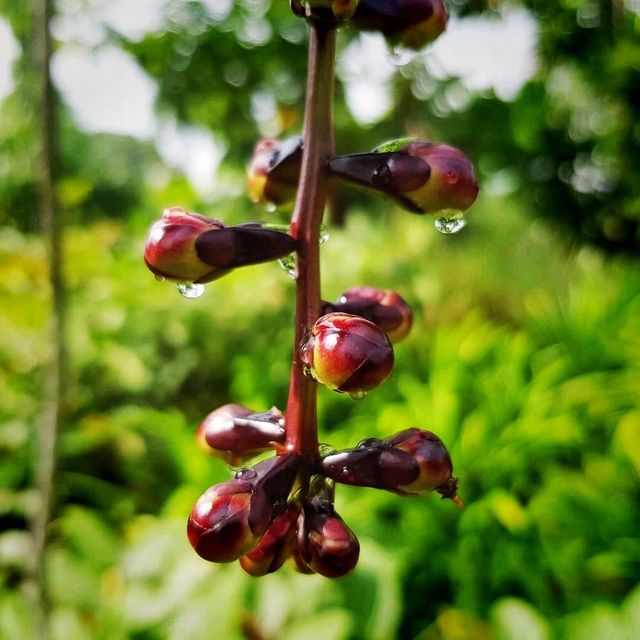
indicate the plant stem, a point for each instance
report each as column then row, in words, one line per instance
column 301, row 418
column 51, row 225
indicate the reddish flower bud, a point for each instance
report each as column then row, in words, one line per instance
column 274, row 171
column 385, row 308
column 189, row 247
column 347, row 353
column 412, row 23
column 327, row 10
column 274, row 547
column 236, row 433
column 218, row 527
column 422, row 176
column 327, row 545
column 433, row 460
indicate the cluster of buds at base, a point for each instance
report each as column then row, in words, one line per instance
column 410, row 23
column 237, row 434
column 189, row 247
column 421, row 176
column 324, row 10
column 347, row 353
column 411, row 462
column 385, row 308
column 274, row 172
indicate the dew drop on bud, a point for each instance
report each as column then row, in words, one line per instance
column 449, row 222
column 190, row 290
column 245, row 474
column 401, row 56
column 358, row 395
column 368, row 442
column 288, row 263
column 159, row 278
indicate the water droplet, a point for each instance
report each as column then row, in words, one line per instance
column 324, row 234
column 451, row 177
column 358, row 395
column 368, row 442
column 307, row 372
column 401, row 56
column 159, row 278
column 449, row 222
column 288, row 263
column 270, row 207
column 190, row 290
column 245, row 473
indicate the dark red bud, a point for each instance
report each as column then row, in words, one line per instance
column 236, row 433
column 274, row 171
column 385, row 308
column 218, row 527
column 275, row 546
column 328, row 547
column 347, row 353
column 412, row 23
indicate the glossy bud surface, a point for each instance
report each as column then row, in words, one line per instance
column 347, row 353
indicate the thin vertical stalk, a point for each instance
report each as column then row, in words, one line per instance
column 301, row 419
column 46, row 169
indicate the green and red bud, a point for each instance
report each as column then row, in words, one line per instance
column 421, row 176
column 384, row 307
column 237, row 434
column 410, row 23
column 189, row 247
column 274, row 171
column 347, row 353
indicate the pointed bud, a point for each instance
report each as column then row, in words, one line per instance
column 236, row 434
column 385, row 308
column 411, row 23
column 327, row 546
column 421, row 176
column 275, row 546
column 274, row 171
column 188, row 247
column 433, row 460
column 325, row 10
column 347, row 353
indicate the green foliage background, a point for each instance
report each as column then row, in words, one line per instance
column 524, row 359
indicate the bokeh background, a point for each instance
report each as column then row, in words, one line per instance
column 524, row 357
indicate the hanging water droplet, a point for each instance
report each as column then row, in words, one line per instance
column 288, row 263
column 449, row 222
column 159, row 278
column 324, row 234
column 358, row 395
column 401, row 56
column 307, row 372
column 190, row 290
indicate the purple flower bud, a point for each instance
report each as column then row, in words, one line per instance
column 411, row 23
column 275, row 546
column 385, row 308
column 189, row 247
column 236, row 433
column 274, row 171
column 347, row 353
column 421, row 176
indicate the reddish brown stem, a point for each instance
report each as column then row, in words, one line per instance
column 301, row 419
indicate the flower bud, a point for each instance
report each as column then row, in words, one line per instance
column 218, row 527
column 347, row 353
column 421, row 176
column 236, row 433
column 274, row 171
column 325, row 10
column 189, row 247
column 411, row 23
column 385, row 308
column 433, row 460
column 327, row 545
column 274, row 547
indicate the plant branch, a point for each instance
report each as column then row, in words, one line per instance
column 301, row 418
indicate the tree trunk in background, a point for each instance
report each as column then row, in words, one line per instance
column 45, row 168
